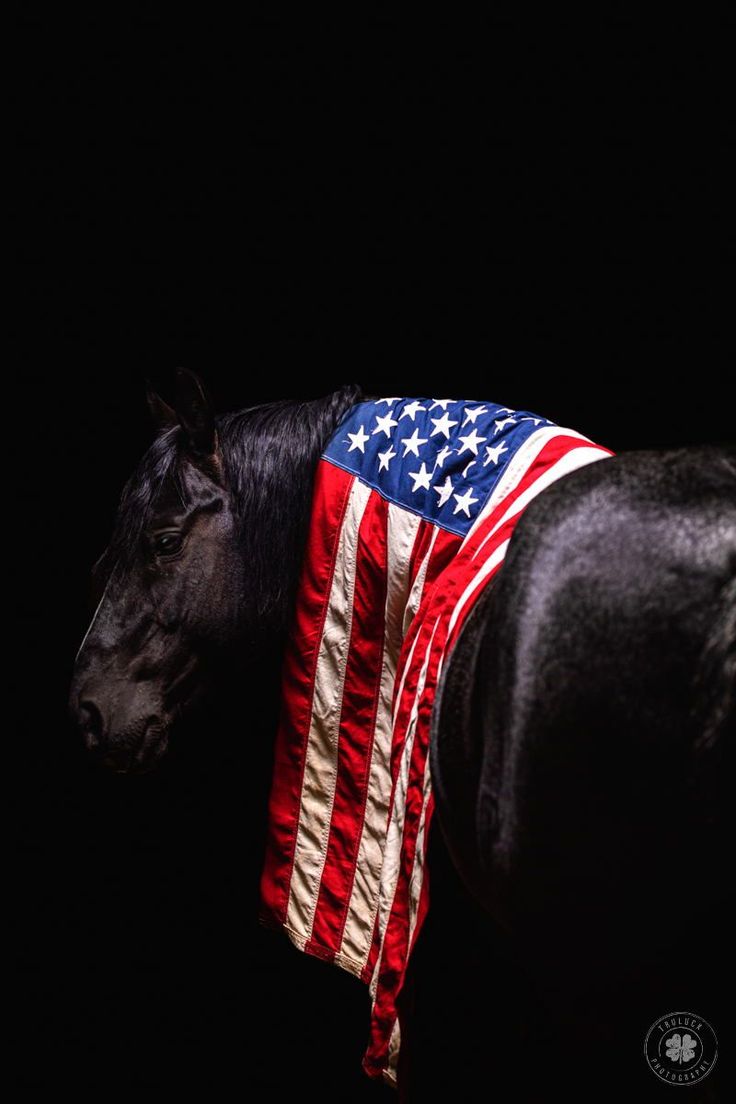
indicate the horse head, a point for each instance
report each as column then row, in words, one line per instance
column 202, row 566
column 170, row 583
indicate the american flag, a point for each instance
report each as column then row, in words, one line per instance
column 415, row 501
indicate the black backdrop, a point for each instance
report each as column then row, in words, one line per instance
column 282, row 219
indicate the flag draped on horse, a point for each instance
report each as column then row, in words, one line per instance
column 414, row 505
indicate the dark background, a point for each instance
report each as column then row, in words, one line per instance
column 543, row 225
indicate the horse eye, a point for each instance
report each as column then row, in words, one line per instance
column 167, row 544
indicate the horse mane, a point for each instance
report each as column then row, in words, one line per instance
column 269, row 454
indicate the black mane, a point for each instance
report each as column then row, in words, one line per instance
column 269, row 455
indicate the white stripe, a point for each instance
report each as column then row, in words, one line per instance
column 417, row 873
column 394, row 840
column 394, row 1045
column 415, row 890
column 95, row 615
column 417, row 590
column 415, row 600
column 484, row 570
column 357, row 936
column 320, row 768
column 404, row 671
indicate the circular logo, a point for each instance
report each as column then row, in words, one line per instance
column 681, row 1048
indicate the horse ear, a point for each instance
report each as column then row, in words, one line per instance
column 164, row 416
column 195, row 414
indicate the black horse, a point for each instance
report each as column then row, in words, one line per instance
column 582, row 772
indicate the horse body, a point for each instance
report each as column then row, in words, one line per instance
column 578, row 751
column 582, row 766
column 570, row 765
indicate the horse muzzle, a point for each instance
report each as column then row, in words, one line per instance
column 135, row 753
column 126, row 740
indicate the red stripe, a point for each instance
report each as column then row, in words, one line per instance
column 359, row 704
column 331, row 490
column 422, row 540
column 367, row 972
column 445, row 548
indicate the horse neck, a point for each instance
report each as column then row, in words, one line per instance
column 270, row 455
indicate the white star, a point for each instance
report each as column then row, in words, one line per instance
column 411, row 410
column 444, row 490
column 385, row 458
column 383, row 424
column 501, row 422
column 389, row 402
column 411, row 444
column 421, row 478
column 471, row 442
column 492, row 454
column 442, row 456
column 442, row 403
column 504, row 410
column 528, row 419
column 472, row 412
column 464, row 502
column 442, row 425
column 358, row 440
column 467, row 468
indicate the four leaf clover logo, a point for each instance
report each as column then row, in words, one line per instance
column 681, row 1049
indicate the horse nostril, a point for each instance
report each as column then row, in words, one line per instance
column 91, row 724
